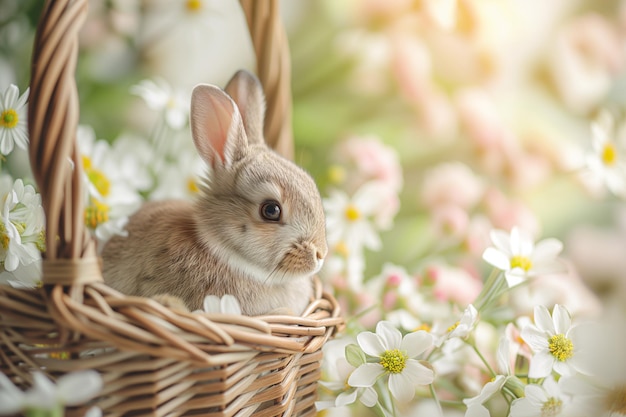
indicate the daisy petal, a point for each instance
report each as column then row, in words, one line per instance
column 417, row 373
column 541, row 365
column 543, row 320
column 345, row 398
column 535, row 394
column 94, row 412
column 561, row 319
column 369, row 397
column 365, row 375
column 536, row 339
column 547, row 250
column 370, row 343
column 416, row 343
column 521, row 407
column 497, row 258
column 401, row 387
column 10, row 96
column 6, row 142
column 477, row 410
column 389, row 335
column 514, row 277
column 43, row 393
column 501, row 240
column 563, row 368
column 230, row 305
column 79, row 387
column 9, row 403
column 211, row 304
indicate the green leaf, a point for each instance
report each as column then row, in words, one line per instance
column 355, row 356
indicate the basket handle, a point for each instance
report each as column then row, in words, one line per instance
column 70, row 256
column 274, row 71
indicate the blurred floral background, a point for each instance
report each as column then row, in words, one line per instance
column 472, row 159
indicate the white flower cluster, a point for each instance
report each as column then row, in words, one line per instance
column 46, row 398
column 22, row 235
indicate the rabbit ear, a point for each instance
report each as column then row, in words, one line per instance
column 216, row 126
column 246, row 90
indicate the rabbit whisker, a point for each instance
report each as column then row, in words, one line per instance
column 270, row 275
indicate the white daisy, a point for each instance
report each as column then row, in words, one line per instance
column 350, row 219
column 173, row 105
column 110, row 198
column 71, row 389
column 175, row 35
column 475, row 407
column 13, row 118
column 396, row 358
column 337, row 368
column 180, row 178
column 541, row 401
column 520, row 258
column 462, row 328
column 21, row 225
column 553, row 341
column 24, row 276
column 607, row 162
column 347, row 395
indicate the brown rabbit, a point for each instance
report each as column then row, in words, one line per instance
column 256, row 230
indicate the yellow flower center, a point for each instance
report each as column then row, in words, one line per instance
column 523, row 262
column 96, row 214
column 96, row 177
column 424, row 326
column 9, row 119
column 336, row 174
column 552, row 407
column 393, row 361
column 192, row 186
column 342, row 249
column 352, row 213
column 193, row 5
column 616, row 401
column 4, row 237
column 41, row 241
column 454, row 326
column 609, row 154
column 561, row 347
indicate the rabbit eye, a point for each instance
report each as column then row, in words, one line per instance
column 270, row 210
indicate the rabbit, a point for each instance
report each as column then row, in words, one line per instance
column 256, row 229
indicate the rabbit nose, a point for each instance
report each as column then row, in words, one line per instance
column 320, row 254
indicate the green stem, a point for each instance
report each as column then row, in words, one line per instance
column 436, row 398
column 482, row 358
column 486, row 293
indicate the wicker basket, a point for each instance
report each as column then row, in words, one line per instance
column 154, row 361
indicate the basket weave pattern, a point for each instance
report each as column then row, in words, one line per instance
column 154, row 361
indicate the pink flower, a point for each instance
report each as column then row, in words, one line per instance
column 451, row 183
column 372, row 160
column 588, row 54
column 450, row 222
column 453, row 284
column 506, row 214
